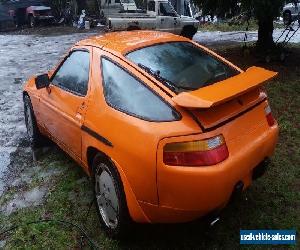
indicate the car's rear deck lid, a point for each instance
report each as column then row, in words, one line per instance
column 224, row 91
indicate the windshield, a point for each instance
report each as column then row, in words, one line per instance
column 181, row 66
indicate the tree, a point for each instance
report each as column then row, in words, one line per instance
column 265, row 11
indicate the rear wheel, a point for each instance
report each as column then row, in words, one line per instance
column 110, row 198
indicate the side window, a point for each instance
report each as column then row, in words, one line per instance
column 151, row 6
column 166, row 9
column 125, row 93
column 73, row 75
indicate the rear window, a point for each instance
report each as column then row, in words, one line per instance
column 182, row 66
column 127, row 94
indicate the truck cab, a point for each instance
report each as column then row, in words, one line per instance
column 166, row 15
column 113, row 7
column 167, row 19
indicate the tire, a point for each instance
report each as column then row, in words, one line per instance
column 33, row 132
column 188, row 31
column 287, row 18
column 110, row 198
column 31, row 22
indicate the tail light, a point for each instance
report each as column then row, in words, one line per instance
column 269, row 116
column 196, row 153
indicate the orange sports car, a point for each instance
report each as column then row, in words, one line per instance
column 168, row 129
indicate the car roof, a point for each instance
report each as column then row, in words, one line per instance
column 125, row 41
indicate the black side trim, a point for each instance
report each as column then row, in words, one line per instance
column 97, row 136
column 234, row 117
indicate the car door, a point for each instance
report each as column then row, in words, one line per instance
column 64, row 102
column 167, row 17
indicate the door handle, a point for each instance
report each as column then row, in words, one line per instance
column 80, row 111
column 78, row 117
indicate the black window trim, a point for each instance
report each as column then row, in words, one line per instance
column 151, row 6
column 60, row 65
column 177, row 115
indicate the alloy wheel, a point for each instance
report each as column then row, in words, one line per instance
column 106, row 195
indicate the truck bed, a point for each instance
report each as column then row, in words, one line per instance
column 130, row 15
column 119, row 23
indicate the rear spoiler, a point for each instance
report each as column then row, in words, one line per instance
column 223, row 91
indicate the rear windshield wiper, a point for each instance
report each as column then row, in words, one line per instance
column 157, row 76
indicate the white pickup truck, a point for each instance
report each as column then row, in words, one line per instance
column 160, row 15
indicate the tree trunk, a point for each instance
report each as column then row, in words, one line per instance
column 81, row 5
column 265, row 33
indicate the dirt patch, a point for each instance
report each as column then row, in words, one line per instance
column 21, row 57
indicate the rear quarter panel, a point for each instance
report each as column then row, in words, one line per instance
column 134, row 141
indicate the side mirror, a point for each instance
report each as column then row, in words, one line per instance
column 42, row 81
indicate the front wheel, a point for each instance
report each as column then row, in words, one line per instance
column 33, row 132
column 110, row 198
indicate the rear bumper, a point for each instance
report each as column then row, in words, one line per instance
column 187, row 193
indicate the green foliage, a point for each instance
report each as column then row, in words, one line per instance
column 218, row 7
column 264, row 8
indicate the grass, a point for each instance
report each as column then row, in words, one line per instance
column 230, row 27
column 272, row 202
